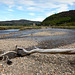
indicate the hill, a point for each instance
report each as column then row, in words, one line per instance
column 22, row 22
column 66, row 18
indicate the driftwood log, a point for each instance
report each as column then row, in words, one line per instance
column 22, row 52
column 6, row 56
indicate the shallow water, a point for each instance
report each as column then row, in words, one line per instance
column 8, row 31
column 70, row 34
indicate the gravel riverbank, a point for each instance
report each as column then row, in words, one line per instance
column 36, row 64
column 39, row 63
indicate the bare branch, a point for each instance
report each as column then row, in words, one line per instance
column 51, row 51
column 7, row 53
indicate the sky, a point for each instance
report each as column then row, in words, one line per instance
column 35, row 10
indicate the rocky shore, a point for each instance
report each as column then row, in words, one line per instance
column 36, row 64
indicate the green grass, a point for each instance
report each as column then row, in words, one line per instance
column 19, row 27
column 30, row 27
column 9, row 27
column 34, row 27
column 64, row 27
column 61, row 27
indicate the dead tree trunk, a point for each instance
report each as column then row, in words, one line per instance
column 23, row 51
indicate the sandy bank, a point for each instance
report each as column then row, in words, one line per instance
column 45, row 34
column 9, row 44
column 5, row 35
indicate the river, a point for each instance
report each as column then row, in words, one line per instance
column 50, row 41
column 16, row 33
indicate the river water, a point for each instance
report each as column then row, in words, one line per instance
column 16, row 33
column 8, row 31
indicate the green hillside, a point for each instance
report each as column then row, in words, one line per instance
column 66, row 18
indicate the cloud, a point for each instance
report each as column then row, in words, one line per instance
column 10, row 10
column 49, row 13
column 19, row 7
column 32, row 14
column 26, row 2
column 9, row 3
column 42, row 8
column 70, row 2
column 40, row 4
column 62, row 8
column 31, row 8
column 34, row 9
column 44, row 5
column 38, row 18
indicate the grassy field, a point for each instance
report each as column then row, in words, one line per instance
column 64, row 27
column 34, row 27
column 19, row 27
column 60, row 27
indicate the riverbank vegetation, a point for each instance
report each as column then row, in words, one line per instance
column 34, row 27
column 64, row 27
column 19, row 27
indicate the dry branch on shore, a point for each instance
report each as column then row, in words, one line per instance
column 22, row 52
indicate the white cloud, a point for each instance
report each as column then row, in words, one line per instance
column 10, row 3
column 38, row 19
column 43, row 7
column 62, row 8
column 49, row 13
column 7, row 1
column 40, row 4
column 32, row 14
column 31, row 8
column 35, row 9
column 19, row 7
column 26, row 2
column 71, row 2
column 10, row 10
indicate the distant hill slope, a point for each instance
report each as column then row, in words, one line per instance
column 66, row 18
column 18, row 22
